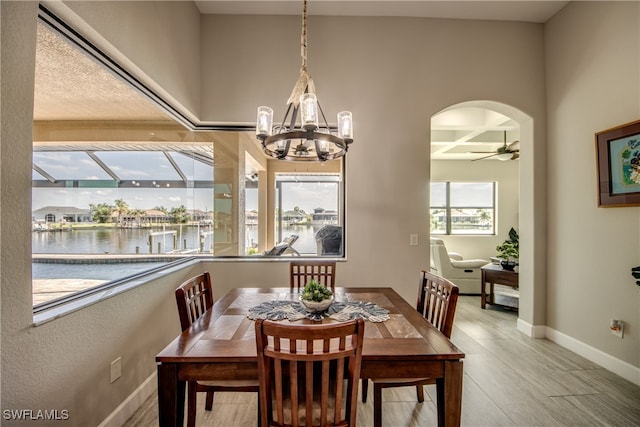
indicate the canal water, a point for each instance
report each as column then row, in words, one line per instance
column 133, row 240
column 114, row 240
column 128, row 241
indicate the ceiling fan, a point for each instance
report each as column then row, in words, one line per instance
column 506, row 152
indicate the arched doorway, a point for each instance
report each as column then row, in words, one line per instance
column 531, row 205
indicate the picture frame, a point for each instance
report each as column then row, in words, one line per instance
column 618, row 162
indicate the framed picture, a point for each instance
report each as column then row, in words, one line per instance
column 618, row 157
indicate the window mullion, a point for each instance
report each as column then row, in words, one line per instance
column 448, row 204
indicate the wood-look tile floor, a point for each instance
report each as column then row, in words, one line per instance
column 509, row 380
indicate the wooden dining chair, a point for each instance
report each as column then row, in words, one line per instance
column 194, row 297
column 309, row 372
column 437, row 300
column 301, row 272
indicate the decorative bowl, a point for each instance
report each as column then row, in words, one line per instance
column 316, row 306
column 508, row 265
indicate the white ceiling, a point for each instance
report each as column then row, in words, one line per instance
column 505, row 10
column 71, row 86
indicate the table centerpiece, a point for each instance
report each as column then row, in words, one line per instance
column 316, row 298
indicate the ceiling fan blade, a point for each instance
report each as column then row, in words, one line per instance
column 485, row 157
column 515, row 156
column 515, row 145
column 481, row 152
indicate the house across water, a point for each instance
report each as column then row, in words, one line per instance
column 61, row 214
column 321, row 216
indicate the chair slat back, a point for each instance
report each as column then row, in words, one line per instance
column 303, row 370
column 194, row 297
column 301, row 272
column 437, row 300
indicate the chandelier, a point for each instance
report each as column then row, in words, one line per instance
column 312, row 139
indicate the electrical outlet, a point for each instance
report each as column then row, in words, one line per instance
column 116, row 369
column 413, row 240
column 617, row 328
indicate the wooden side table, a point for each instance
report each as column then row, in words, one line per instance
column 495, row 274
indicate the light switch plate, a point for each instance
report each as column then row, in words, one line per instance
column 116, row 369
column 413, row 240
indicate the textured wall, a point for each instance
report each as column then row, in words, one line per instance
column 158, row 41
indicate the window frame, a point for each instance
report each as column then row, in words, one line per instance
column 337, row 180
column 448, row 209
column 55, row 308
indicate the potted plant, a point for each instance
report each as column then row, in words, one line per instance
column 509, row 251
column 316, row 297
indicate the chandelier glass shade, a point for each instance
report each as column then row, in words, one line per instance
column 304, row 134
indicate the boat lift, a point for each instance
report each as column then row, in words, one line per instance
column 160, row 244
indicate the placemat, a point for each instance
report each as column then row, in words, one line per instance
column 342, row 311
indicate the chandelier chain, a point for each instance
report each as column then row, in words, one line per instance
column 310, row 141
column 303, row 37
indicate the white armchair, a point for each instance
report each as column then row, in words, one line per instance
column 465, row 273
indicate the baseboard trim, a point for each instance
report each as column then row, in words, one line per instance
column 608, row 362
column 613, row 364
column 126, row 409
column 530, row 330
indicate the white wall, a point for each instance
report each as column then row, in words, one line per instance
column 506, row 174
column 593, row 84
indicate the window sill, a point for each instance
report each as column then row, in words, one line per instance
column 50, row 311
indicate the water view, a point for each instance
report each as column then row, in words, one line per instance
column 117, row 240
column 136, row 240
column 130, row 241
column 101, row 272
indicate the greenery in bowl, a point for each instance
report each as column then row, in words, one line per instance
column 510, row 249
column 316, row 292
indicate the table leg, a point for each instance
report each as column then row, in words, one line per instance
column 483, row 288
column 449, row 394
column 170, row 396
column 492, row 297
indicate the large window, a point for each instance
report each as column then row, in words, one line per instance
column 463, row 207
column 305, row 203
column 116, row 197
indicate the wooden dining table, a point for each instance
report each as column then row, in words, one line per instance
column 221, row 346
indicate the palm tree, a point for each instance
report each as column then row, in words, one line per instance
column 484, row 216
column 121, row 208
